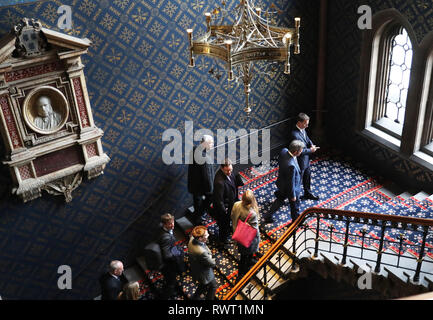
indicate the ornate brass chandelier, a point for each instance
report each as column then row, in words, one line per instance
column 249, row 39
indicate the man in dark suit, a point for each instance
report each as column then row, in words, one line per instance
column 112, row 282
column 288, row 181
column 200, row 178
column 172, row 256
column 224, row 196
column 299, row 133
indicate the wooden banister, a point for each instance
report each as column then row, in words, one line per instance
column 294, row 225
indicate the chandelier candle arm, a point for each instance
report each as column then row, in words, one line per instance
column 229, row 59
column 258, row 11
column 287, row 40
column 297, row 49
column 208, row 19
column 191, row 55
column 247, row 91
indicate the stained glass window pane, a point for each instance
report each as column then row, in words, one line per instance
column 398, row 77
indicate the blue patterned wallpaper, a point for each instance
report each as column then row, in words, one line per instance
column 139, row 85
column 343, row 72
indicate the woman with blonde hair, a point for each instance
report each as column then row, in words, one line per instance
column 241, row 210
column 130, row 291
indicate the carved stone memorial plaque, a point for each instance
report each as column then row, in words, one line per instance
column 46, row 121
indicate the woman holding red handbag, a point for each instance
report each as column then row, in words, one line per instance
column 247, row 211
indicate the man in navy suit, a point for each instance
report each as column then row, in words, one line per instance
column 224, row 196
column 288, row 181
column 299, row 133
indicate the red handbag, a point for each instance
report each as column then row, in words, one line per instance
column 244, row 233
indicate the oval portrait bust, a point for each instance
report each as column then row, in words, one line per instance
column 45, row 110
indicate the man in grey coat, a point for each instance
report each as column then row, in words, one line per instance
column 202, row 264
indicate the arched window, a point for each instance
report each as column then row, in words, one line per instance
column 391, row 108
column 395, row 101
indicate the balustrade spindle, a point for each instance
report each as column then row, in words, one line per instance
column 306, row 227
column 249, row 291
column 363, row 232
column 294, row 242
column 400, row 248
column 279, row 259
column 379, row 251
column 346, row 242
column 421, row 255
column 316, row 249
column 331, row 228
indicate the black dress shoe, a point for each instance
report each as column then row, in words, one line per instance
column 310, row 197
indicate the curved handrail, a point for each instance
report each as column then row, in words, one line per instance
column 314, row 210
